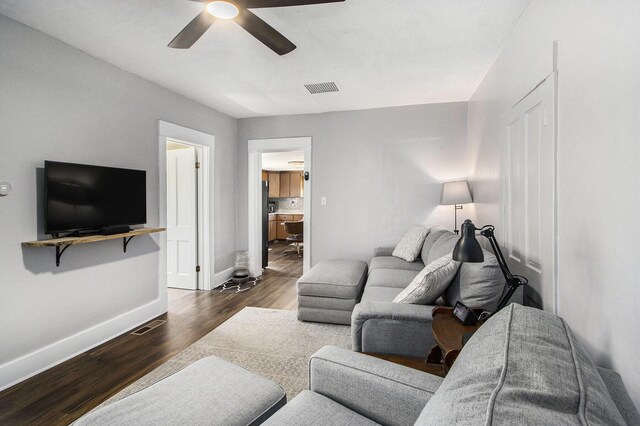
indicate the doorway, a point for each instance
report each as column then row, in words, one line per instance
column 283, row 200
column 287, row 189
column 185, row 206
column 529, row 193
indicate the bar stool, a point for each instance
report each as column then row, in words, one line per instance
column 296, row 230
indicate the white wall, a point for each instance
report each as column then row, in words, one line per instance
column 598, row 157
column 380, row 170
column 58, row 103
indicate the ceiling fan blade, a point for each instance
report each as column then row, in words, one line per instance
column 264, row 32
column 193, row 31
column 255, row 4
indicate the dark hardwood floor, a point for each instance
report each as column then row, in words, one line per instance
column 65, row 392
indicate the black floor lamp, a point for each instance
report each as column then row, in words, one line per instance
column 468, row 249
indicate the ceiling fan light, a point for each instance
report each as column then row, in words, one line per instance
column 223, row 9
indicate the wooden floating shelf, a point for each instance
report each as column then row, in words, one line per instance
column 61, row 244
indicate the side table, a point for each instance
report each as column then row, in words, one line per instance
column 448, row 333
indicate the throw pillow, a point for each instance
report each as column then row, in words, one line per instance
column 409, row 246
column 430, row 283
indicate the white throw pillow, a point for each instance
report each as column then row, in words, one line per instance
column 410, row 245
column 430, row 283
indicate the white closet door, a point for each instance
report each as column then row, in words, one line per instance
column 529, row 200
column 182, row 221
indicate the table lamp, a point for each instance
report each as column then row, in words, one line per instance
column 468, row 249
column 455, row 193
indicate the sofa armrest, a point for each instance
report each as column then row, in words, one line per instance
column 383, row 251
column 382, row 391
column 392, row 328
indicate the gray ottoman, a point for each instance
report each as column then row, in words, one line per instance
column 210, row 391
column 330, row 291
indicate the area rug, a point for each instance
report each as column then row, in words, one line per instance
column 269, row 342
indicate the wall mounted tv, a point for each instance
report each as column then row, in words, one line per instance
column 81, row 197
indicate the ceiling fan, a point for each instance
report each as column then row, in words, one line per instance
column 238, row 10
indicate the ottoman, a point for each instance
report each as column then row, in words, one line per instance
column 330, row 291
column 210, row 391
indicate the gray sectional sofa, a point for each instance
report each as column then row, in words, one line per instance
column 523, row 366
column 380, row 326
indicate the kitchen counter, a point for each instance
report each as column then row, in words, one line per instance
column 289, row 212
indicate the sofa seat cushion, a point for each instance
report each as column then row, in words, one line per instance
column 396, row 278
column 380, row 294
column 312, row 409
column 210, row 391
column 338, row 278
column 523, row 366
column 390, row 262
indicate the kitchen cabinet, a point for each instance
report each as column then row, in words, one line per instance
column 273, row 230
column 295, row 184
column 274, row 184
column 284, row 184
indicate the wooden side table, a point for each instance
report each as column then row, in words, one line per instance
column 449, row 334
column 417, row 363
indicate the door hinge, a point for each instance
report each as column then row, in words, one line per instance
column 198, row 268
column 197, row 164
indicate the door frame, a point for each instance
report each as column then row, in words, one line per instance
column 204, row 144
column 552, row 80
column 256, row 148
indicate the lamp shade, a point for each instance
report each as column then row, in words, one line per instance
column 468, row 248
column 456, row 192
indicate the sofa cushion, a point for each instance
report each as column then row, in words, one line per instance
column 477, row 285
column 434, row 233
column 409, row 246
column 380, row 294
column 338, row 278
column 312, row 409
column 186, row 398
column 442, row 246
column 430, row 283
column 390, row 262
column 396, row 278
column 523, row 366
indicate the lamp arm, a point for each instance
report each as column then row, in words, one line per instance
column 513, row 281
column 487, row 231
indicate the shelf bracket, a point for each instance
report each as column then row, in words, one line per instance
column 59, row 253
column 125, row 242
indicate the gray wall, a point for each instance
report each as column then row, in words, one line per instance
column 58, row 103
column 380, row 170
column 597, row 165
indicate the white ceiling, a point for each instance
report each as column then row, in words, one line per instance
column 278, row 161
column 379, row 52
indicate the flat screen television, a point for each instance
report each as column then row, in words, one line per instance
column 83, row 197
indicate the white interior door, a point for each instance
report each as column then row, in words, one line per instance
column 529, row 193
column 182, row 220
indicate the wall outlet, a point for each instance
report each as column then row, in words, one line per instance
column 323, row 201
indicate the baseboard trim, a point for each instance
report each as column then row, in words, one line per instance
column 26, row 366
column 222, row 276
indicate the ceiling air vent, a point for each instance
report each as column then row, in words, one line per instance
column 316, row 88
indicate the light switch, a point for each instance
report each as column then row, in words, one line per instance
column 5, row 188
column 323, row 201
